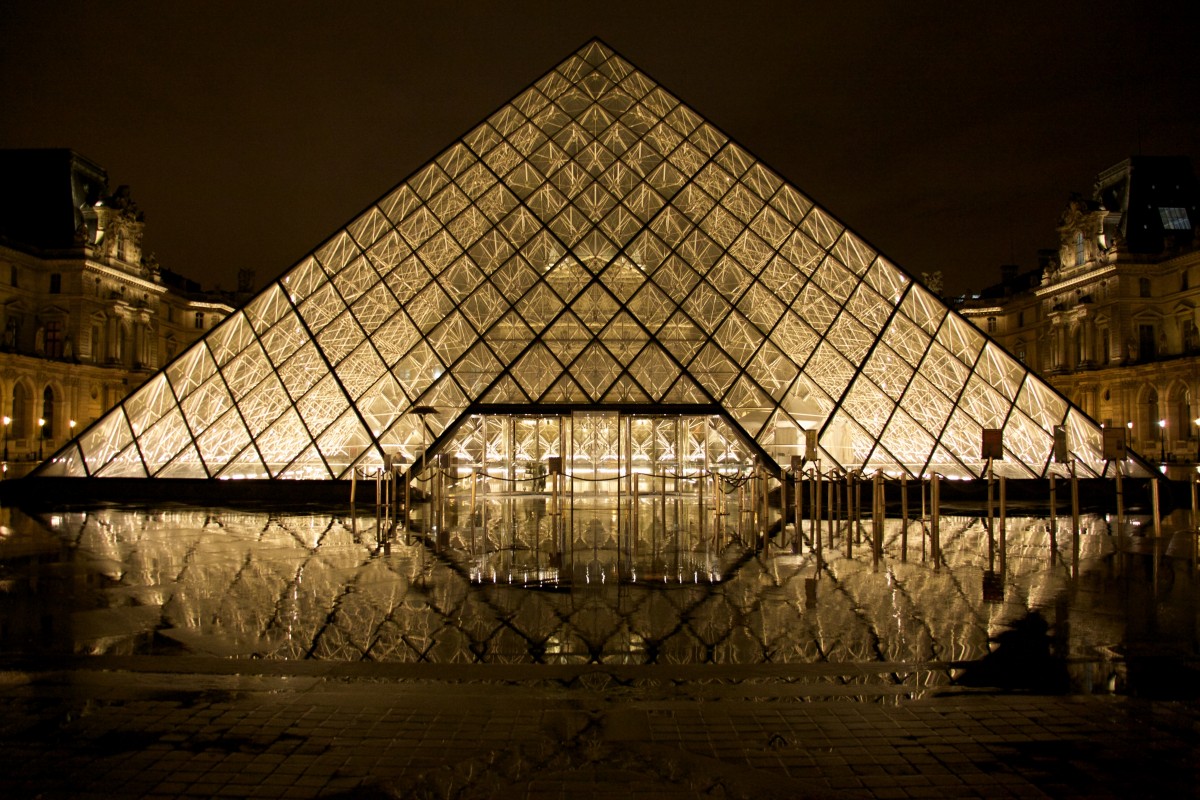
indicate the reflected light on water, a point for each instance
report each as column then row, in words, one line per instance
column 309, row 586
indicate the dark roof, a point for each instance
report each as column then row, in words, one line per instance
column 1158, row 198
column 42, row 193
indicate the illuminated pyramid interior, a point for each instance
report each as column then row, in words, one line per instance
column 598, row 276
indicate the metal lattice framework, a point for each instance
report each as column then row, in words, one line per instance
column 593, row 243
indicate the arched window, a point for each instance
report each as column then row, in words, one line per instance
column 1150, row 429
column 20, row 412
column 48, row 413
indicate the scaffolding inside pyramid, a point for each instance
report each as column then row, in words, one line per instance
column 593, row 256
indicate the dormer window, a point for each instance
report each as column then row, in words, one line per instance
column 1175, row 219
column 1079, row 249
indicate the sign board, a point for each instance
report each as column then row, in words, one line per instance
column 810, row 444
column 1061, row 454
column 993, row 444
column 1114, row 444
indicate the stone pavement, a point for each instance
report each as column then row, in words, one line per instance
column 171, row 727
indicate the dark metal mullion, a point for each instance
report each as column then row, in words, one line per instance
column 867, row 357
column 673, row 249
column 333, row 374
column 955, row 400
column 191, row 437
column 217, row 371
column 287, row 394
column 366, row 337
column 179, row 402
column 235, row 409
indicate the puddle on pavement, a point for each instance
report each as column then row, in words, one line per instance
column 319, row 586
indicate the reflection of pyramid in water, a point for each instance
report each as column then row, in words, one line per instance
column 594, row 243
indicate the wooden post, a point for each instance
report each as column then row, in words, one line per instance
column 832, row 510
column 1075, row 529
column 877, row 520
column 935, row 539
column 991, row 517
column 851, row 514
column 1120, row 502
column 1003, row 527
column 798, row 477
column 924, row 520
column 815, row 529
column 1053, row 522
column 1154, row 500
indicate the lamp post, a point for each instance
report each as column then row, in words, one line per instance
column 1162, row 441
column 7, row 422
column 41, row 433
column 1196, row 422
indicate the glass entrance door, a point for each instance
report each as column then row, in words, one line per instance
column 594, row 496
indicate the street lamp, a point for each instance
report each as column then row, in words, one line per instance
column 1196, row 422
column 1162, row 441
column 41, row 435
column 7, row 422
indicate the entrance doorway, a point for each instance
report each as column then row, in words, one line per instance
column 597, row 496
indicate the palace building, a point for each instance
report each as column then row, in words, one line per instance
column 1110, row 317
column 85, row 315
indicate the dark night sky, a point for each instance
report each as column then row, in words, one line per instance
column 948, row 134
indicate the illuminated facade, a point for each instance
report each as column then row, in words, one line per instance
column 596, row 293
column 85, row 316
column 1111, row 316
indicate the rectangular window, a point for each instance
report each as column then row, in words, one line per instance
column 991, row 324
column 200, row 320
column 1020, row 319
column 55, row 283
column 1183, row 281
column 1175, row 219
column 1143, row 287
column 54, row 339
column 12, row 274
column 1146, row 348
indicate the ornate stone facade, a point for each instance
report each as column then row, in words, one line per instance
column 85, row 315
column 1110, row 317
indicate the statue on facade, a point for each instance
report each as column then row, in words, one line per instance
column 39, row 341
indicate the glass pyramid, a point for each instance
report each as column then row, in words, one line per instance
column 594, row 244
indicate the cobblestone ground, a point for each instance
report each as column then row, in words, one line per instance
column 169, row 728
